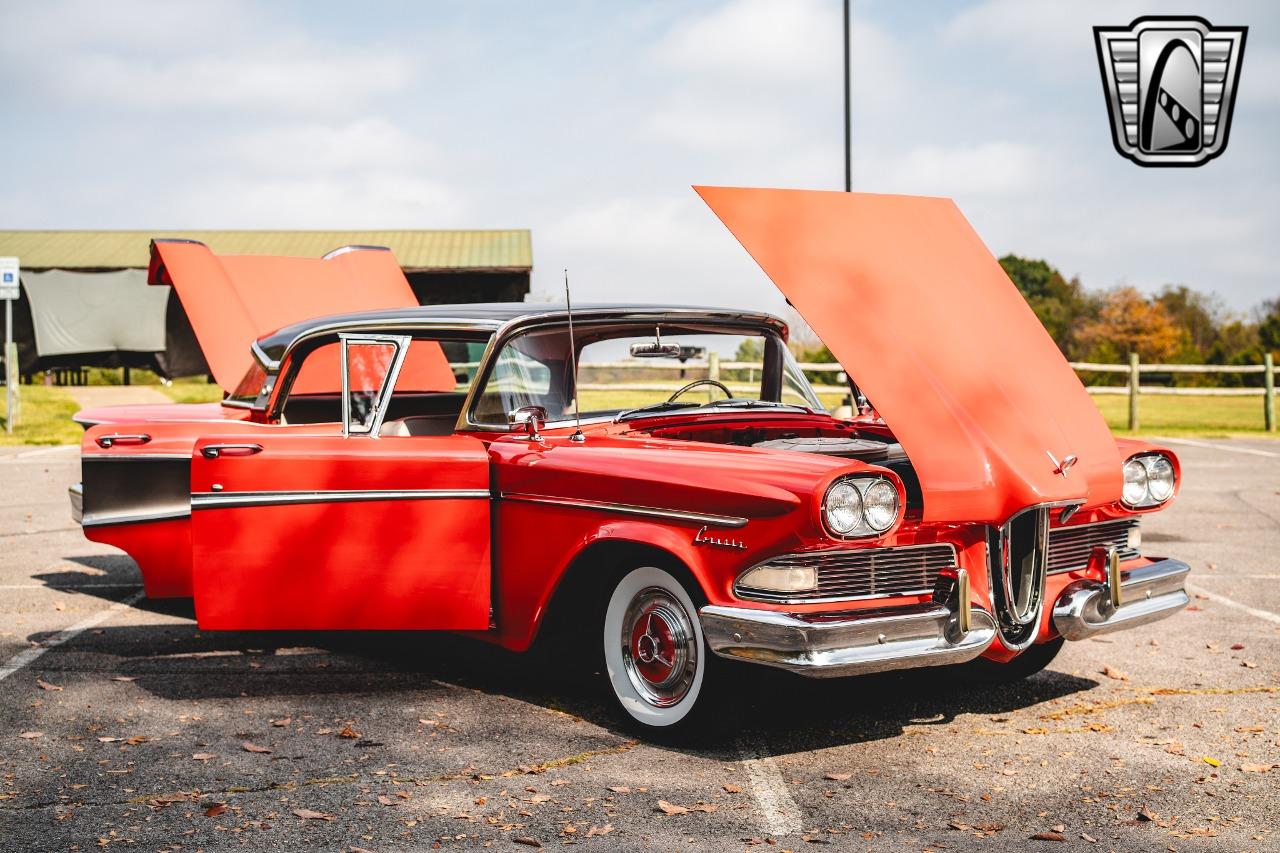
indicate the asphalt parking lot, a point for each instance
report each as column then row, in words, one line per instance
column 122, row 725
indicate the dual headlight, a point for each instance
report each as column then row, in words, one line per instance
column 1149, row 480
column 860, row 506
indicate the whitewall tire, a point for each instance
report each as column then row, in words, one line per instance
column 654, row 653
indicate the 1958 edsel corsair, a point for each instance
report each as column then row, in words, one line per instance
column 407, row 467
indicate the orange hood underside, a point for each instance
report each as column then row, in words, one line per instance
column 922, row 316
column 232, row 300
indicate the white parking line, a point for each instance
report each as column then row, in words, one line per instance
column 26, row 656
column 780, row 812
column 1227, row 602
column 1251, row 451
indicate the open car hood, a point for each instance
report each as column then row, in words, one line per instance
column 920, row 314
column 232, row 300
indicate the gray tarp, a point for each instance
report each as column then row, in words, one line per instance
column 74, row 312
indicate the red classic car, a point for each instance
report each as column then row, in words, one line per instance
column 513, row 471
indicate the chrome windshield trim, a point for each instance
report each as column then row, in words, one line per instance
column 268, row 364
column 731, row 521
column 353, row 247
column 228, row 500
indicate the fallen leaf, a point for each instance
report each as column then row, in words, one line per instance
column 348, row 732
column 202, row 756
column 44, row 685
column 1212, row 762
column 1058, row 827
column 959, row 825
column 1035, row 731
column 137, row 739
column 732, row 789
column 31, row 735
column 1235, row 647
column 215, row 810
column 249, row 746
column 108, row 740
column 989, row 827
column 1048, row 836
column 704, row 807
column 1146, row 815
column 620, row 789
column 282, row 722
column 1087, row 837
column 385, row 800
column 1255, row 768
column 1251, row 728
column 124, row 678
column 838, row 777
column 1112, row 672
column 526, row 841
column 671, row 808
column 1249, row 664
column 596, row 831
column 308, row 814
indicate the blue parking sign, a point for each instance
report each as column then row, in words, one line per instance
column 8, row 277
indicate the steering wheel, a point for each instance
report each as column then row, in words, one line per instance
column 697, row 382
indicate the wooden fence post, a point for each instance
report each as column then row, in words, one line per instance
column 1133, row 391
column 1269, row 392
column 713, row 365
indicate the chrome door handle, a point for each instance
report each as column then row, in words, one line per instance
column 213, row 451
column 119, row 438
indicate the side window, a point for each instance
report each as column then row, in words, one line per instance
column 519, row 378
column 369, row 366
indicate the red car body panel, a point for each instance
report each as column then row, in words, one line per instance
column 398, row 563
column 910, row 301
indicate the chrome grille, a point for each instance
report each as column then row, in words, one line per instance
column 1069, row 547
column 862, row 572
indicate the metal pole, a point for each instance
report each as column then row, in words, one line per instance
column 10, row 369
column 1269, row 392
column 848, row 153
column 1133, row 391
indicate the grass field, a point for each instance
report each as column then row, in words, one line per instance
column 45, row 416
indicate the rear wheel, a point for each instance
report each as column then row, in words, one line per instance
column 655, row 657
column 1025, row 665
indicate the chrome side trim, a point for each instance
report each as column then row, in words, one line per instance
column 731, row 521
column 1148, row 593
column 229, row 500
column 105, row 519
column 834, row 645
column 135, row 457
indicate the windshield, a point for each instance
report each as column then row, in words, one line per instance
column 624, row 368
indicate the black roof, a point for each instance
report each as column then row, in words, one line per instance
column 491, row 316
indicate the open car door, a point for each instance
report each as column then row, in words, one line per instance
column 326, row 526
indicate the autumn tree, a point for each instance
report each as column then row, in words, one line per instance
column 1058, row 303
column 1129, row 322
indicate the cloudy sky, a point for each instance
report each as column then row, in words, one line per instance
column 588, row 121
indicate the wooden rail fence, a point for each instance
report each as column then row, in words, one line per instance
column 713, row 367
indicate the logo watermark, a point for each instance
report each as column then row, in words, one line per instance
column 1170, row 84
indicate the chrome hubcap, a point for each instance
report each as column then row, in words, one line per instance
column 659, row 648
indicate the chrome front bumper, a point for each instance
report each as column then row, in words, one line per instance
column 829, row 646
column 1147, row 593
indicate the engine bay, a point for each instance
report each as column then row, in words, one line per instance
column 870, row 443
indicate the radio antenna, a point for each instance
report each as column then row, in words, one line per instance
column 573, row 362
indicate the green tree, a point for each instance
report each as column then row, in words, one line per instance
column 1060, row 304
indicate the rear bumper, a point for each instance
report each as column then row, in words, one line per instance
column 1147, row 593
column 829, row 646
column 76, row 494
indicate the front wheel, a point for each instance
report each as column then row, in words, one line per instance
column 654, row 654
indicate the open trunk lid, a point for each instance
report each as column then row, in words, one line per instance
column 915, row 307
column 232, row 300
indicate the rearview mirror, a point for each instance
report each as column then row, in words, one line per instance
column 655, row 350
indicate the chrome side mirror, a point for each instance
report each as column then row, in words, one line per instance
column 529, row 418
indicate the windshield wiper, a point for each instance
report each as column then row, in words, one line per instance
column 742, row 403
column 664, row 406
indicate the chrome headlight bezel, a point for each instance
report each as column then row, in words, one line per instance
column 862, row 484
column 1155, row 474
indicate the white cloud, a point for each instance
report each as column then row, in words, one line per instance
column 991, row 168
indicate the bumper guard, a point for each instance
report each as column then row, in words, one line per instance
column 1142, row 595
